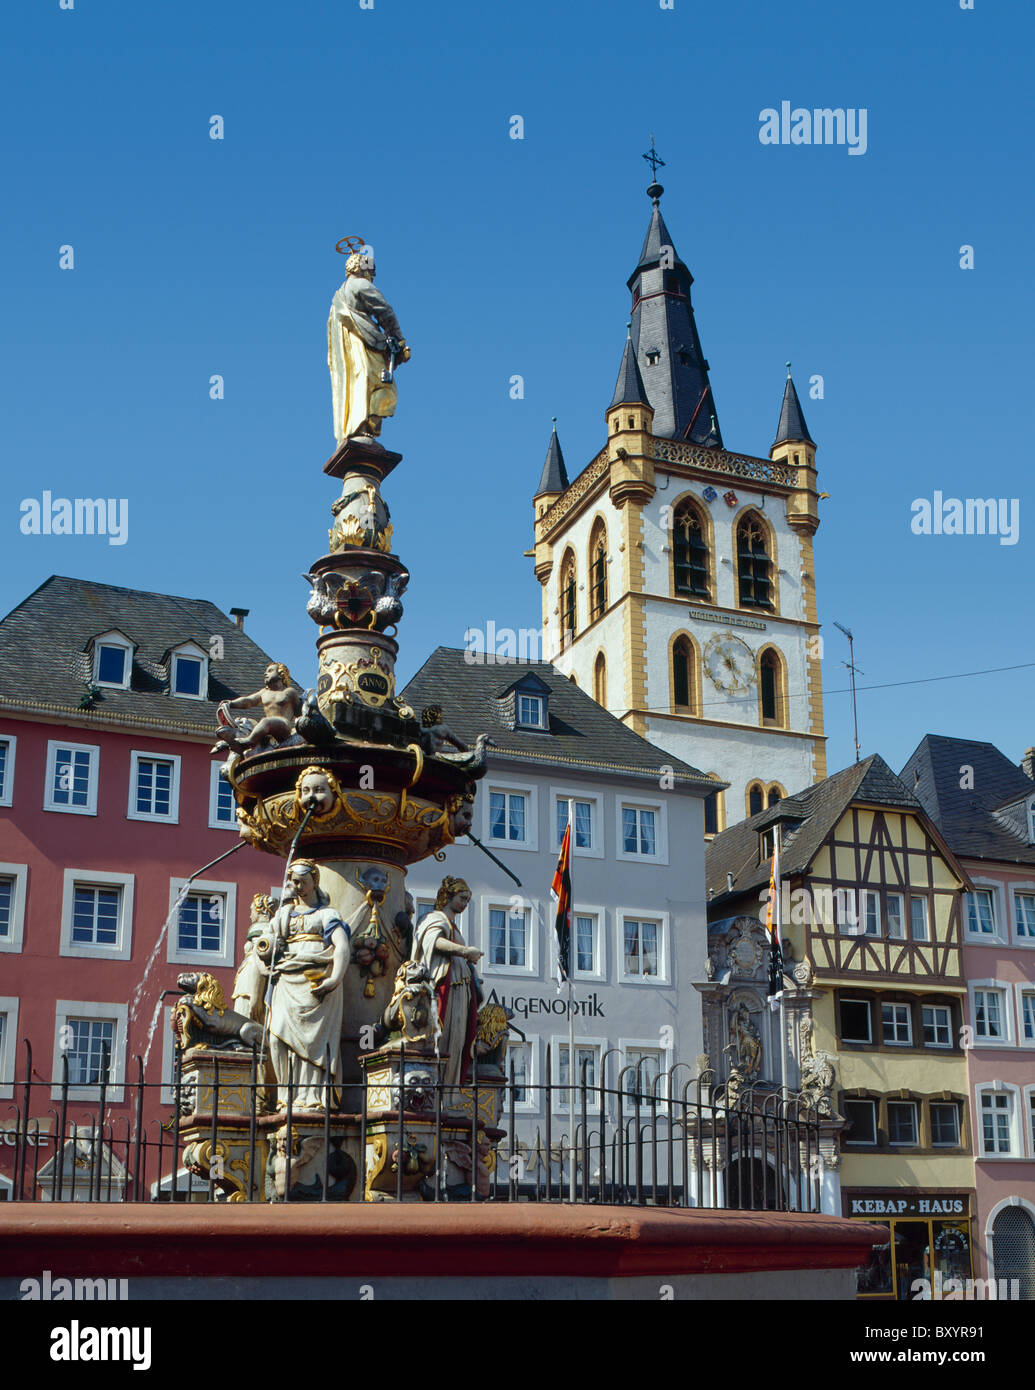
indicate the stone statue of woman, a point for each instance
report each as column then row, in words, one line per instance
column 310, row 949
column 440, row 947
column 364, row 344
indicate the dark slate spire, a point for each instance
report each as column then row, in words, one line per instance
column 668, row 351
column 629, row 388
column 555, row 475
column 792, row 426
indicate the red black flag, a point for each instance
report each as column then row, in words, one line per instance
column 560, row 891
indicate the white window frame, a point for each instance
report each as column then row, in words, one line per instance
column 667, row 1060
column 596, row 817
column 970, row 900
column 191, row 652
column 1024, row 989
column 858, row 1042
column 927, row 917
column 1028, row 890
column 903, row 932
column 559, row 1091
column 1029, row 1119
column 113, row 639
column 212, row 959
column 135, row 758
column 167, row 1096
column 1005, row 991
column 7, row 785
column 533, row 914
column 599, row 971
column 214, row 778
column 644, row 914
column 936, row 1144
column 49, row 804
column 97, row 878
column 540, row 699
column 863, row 1143
column 8, row 1045
column 904, row 1143
column 534, row 1103
column 65, row 1009
column 20, row 873
column 659, row 808
column 943, row 1008
column 1016, row 1149
column 531, row 795
column 870, row 900
column 896, row 1042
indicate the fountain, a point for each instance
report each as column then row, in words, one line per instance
column 353, row 1073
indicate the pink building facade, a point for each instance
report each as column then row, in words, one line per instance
column 105, row 812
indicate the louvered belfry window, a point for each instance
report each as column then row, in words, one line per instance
column 753, row 564
column 689, row 552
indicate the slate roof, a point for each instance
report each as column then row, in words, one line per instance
column 555, row 475
column 792, row 424
column 629, row 388
column 46, row 665
column 663, row 322
column 818, row 808
column 966, row 818
column 582, row 736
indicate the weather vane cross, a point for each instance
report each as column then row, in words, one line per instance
column 653, row 159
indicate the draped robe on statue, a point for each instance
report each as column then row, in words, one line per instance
column 455, row 989
column 303, row 1027
column 357, row 353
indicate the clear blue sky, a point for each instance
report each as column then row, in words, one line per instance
column 195, row 257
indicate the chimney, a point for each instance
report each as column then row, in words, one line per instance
column 239, row 615
column 1028, row 763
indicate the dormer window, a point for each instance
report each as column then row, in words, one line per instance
column 112, row 660
column 531, row 712
column 653, row 357
column 188, row 672
column 526, row 702
column 1031, row 821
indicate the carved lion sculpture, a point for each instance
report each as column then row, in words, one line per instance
column 201, row 1018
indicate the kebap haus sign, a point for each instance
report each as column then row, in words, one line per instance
column 906, row 1204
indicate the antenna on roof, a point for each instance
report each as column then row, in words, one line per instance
column 851, row 666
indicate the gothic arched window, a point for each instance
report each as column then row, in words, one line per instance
column 770, row 688
column 714, row 813
column 682, row 673
column 753, row 563
column 775, row 795
column 569, row 611
column 689, row 552
column 597, row 570
column 755, row 799
column 600, row 680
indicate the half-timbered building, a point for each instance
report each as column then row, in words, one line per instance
column 870, row 913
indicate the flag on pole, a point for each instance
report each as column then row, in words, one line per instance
column 772, row 924
column 560, row 892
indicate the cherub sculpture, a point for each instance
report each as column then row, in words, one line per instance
column 280, row 702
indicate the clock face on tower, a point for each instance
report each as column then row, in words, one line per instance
column 730, row 663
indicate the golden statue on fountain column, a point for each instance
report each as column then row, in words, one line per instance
column 364, row 346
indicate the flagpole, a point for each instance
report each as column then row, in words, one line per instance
column 779, row 938
column 571, row 1008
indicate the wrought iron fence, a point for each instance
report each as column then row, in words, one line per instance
column 683, row 1140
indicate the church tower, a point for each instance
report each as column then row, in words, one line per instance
column 678, row 577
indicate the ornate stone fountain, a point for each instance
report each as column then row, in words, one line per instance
column 349, row 786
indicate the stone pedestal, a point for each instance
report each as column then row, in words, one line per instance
column 223, row 1154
